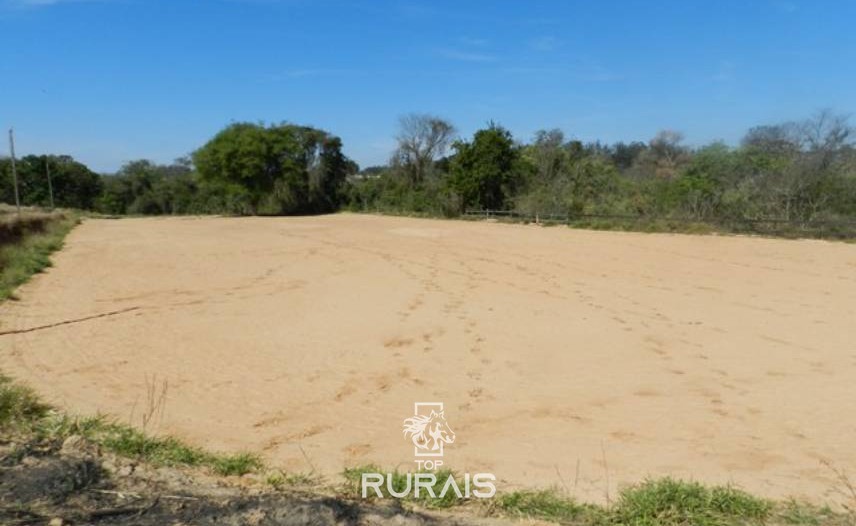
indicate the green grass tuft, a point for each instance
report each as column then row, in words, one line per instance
column 279, row 479
column 666, row 502
column 166, row 451
column 237, row 464
column 19, row 405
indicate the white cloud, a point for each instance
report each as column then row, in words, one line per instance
column 473, row 42
column 544, row 43
column 466, row 56
column 785, row 6
column 725, row 72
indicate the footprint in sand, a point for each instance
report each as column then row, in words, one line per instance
column 397, row 342
column 656, row 346
column 311, row 431
column 383, row 383
column 357, row 450
column 623, row 436
column 274, row 420
column 344, row 392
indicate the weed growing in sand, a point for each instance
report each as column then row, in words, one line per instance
column 237, row 464
column 280, row 480
column 19, row 405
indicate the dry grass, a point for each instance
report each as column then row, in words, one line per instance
column 26, row 243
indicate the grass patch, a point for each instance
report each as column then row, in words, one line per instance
column 165, row 451
column 237, row 464
column 545, row 504
column 21, row 259
column 661, row 502
column 129, row 442
column 21, row 410
column 279, row 479
column 666, row 502
column 653, row 226
column 19, row 405
column 793, row 512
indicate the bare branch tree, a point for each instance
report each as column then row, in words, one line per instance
column 665, row 154
column 421, row 140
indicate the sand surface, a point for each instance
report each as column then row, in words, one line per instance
column 579, row 359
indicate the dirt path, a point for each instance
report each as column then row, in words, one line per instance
column 563, row 357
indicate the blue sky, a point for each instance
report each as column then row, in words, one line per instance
column 113, row 80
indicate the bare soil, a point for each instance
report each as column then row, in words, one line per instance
column 578, row 359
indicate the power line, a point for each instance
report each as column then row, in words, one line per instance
column 14, row 170
column 50, row 185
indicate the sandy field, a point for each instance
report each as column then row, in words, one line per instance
column 578, row 359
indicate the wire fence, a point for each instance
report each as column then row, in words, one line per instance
column 832, row 229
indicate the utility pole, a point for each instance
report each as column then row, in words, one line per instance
column 50, row 185
column 14, row 171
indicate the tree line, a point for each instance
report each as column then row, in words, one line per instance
column 793, row 171
column 245, row 169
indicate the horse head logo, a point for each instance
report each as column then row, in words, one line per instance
column 429, row 432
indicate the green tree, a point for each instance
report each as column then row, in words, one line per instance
column 801, row 169
column 284, row 169
column 592, row 186
column 74, row 185
column 144, row 187
column 487, row 171
column 548, row 157
column 703, row 184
